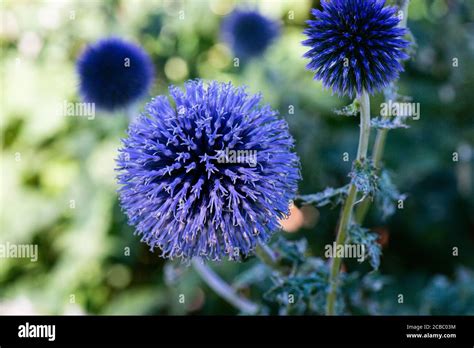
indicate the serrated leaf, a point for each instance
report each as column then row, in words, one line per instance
column 330, row 195
column 364, row 177
column 302, row 292
column 292, row 252
column 388, row 123
column 361, row 235
column 349, row 110
column 387, row 195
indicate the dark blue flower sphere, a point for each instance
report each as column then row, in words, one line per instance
column 355, row 45
column 248, row 33
column 208, row 175
column 114, row 73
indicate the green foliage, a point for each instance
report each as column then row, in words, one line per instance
column 388, row 123
column 361, row 293
column 303, row 290
column 352, row 109
column 387, row 196
column 443, row 296
column 331, row 196
column 290, row 253
column 364, row 177
column 65, row 160
column 360, row 235
column 251, row 276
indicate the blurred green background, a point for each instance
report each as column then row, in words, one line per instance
column 58, row 180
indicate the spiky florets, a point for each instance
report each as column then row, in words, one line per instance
column 209, row 175
column 114, row 73
column 249, row 33
column 355, row 45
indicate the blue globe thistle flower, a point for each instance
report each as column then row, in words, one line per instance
column 114, row 73
column 208, row 175
column 355, row 45
column 248, row 33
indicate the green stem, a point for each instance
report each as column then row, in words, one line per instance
column 266, row 255
column 364, row 126
column 379, row 145
column 377, row 151
column 223, row 289
column 346, row 213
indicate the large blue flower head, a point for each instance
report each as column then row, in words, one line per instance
column 249, row 33
column 208, row 174
column 114, row 73
column 355, row 45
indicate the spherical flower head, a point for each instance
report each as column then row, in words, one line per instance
column 248, row 33
column 208, row 175
column 355, row 45
column 114, row 73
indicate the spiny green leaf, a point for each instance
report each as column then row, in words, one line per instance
column 361, row 235
column 364, row 177
column 303, row 292
column 349, row 110
column 387, row 195
column 330, row 195
column 388, row 123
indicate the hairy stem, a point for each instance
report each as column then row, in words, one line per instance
column 346, row 213
column 223, row 289
column 379, row 145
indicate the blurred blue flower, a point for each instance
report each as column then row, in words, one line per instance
column 248, row 33
column 355, row 45
column 208, row 175
column 114, row 73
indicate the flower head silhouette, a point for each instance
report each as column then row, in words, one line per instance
column 114, row 73
column 249, row 33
